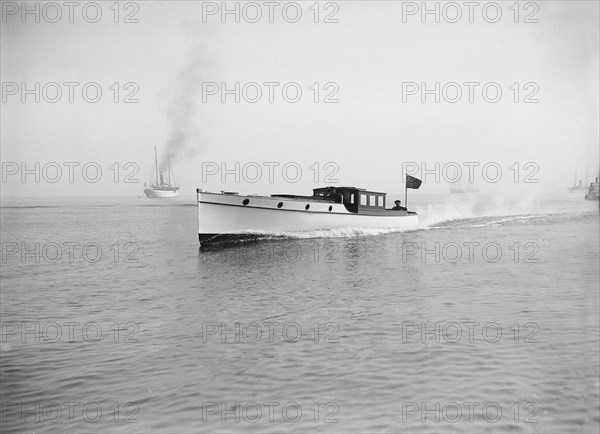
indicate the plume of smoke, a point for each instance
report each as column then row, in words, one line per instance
column 182, row 98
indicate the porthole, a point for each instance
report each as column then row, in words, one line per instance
column 280, row 204
column 330, row 208
column 246, row 202
column 307, row 207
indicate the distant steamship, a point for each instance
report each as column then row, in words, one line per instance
column 162, row 185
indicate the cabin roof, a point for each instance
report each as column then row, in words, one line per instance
column 349, row 188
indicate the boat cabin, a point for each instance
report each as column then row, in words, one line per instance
column 355, row 199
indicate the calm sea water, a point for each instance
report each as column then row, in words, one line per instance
column 485, row 320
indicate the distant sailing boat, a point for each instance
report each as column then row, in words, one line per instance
column 161, row 186
column 578, row 187
column 455, row 188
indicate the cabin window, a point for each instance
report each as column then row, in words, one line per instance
column 280, row 204
column 307, row 207
column 352, row 199
column 372, row 200
column 380, row 201
column 363, row 199
column 246, row 202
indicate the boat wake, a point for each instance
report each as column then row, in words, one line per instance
column 498, row 211
column 494, row 221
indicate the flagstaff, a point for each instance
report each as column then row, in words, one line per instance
column 410, row 182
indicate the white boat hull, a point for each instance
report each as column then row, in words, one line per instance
column 222, row 214
column 160, row 194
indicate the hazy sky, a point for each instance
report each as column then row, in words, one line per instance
column 368, row 54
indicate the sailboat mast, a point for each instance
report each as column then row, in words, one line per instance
column 586, row 176
column 169, row 167
column 156, row 165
